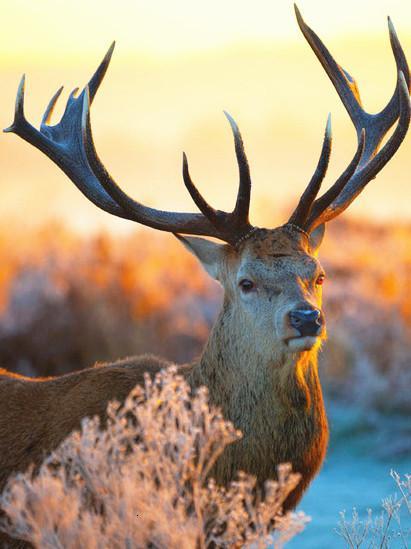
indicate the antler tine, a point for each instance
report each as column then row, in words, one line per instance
column 157, row 219
column 368, row 172
column 344, row 84
column 50, row 107
column 97, row 78
column 322, row 203
column 242, row 207
column 211, row 223
column 18, row 107
column 198, row 199
column 93, row 86
column 300, row 214
column 390, row 112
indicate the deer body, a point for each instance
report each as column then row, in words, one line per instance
column 271, row 394
column 43, row 413
column 39, row 413
column 280, row 413
column 260, row 362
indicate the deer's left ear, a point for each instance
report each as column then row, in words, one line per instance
column 210, row 254
column 316, row 237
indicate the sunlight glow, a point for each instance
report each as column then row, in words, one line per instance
column 177, row 65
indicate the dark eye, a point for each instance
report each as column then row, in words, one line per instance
column 320, row 280
column 246, row 285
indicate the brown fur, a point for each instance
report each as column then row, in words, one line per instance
column 270, row 392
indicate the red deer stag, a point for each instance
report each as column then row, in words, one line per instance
column 260, row 361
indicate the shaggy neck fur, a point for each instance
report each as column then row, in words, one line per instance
column 277, row 404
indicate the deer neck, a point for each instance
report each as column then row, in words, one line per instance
column 244, row 381
column 276, row 402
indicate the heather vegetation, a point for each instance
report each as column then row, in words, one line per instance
column 67, row 302
column 388, row 528
column 368, row 306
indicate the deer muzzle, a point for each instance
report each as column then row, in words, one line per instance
column 308, row 322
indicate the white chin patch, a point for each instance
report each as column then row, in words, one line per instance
column 302, row 343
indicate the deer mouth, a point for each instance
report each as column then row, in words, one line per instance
column 302, row 343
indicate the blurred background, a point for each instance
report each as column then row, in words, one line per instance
column 79, row 286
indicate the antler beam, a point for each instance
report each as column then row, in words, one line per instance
column 79, row 160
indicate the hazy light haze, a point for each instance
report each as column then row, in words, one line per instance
column 176, row 66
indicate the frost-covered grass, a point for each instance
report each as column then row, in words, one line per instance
column 143, row 482
column 389, row 528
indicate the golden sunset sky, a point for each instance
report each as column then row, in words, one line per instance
column 176, row 66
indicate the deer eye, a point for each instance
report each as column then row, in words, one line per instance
column 320, row 280
column 246, row 285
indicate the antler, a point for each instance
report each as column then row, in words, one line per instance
column 70, row 145
column 370, row 128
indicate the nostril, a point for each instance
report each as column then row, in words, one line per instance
column 316, row 314
column 306, row 321
column 295, row 319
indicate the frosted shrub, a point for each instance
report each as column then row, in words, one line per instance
column 391, row 528
column 143, row 482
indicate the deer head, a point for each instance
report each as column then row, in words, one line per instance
column 272, row 277
column 272, row 285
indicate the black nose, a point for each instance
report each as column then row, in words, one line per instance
column 307, row 321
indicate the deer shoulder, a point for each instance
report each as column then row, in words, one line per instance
column 37, row 414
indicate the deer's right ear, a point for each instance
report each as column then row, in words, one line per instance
column 316, row 237
column 210, row 254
